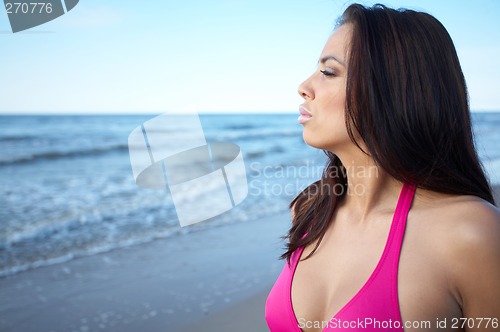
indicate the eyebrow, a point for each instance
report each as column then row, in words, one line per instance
column 330, row 57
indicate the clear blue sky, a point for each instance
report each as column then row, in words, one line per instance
column 208, row 56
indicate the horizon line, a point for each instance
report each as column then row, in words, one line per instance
column 47, row 113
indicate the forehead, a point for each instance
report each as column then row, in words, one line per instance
column 338, row 42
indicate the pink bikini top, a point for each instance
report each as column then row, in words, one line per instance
column 375, row 307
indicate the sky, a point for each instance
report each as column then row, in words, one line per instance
column 217, row 56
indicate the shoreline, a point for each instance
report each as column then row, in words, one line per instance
column 163, row 285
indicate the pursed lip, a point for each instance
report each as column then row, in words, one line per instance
column 304, row 111
column 304, row 116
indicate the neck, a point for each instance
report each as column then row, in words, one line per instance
column 370, row 188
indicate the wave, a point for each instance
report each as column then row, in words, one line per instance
column 261, row 153
column 492, row 167
column 16, row 138
column 60, row 251
column 258, row 134
column 238, row 126
column 50, row 155
column 82, row 252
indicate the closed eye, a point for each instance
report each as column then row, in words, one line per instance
column 328, row 73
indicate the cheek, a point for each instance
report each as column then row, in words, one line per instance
column 332, row 126
column 335, row 101
column 332, row 112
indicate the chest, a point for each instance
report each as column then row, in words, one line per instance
column 324, row 283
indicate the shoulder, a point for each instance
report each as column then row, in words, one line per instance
column 474, row 233
column 464, row 224
column 472, row 223
column 468, row 218
column 467, row 230
column 475, row 257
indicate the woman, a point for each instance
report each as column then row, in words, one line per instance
column 388, row 105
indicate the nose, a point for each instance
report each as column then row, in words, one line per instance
column 305, row 90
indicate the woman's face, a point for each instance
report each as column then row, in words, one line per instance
column 324, row 94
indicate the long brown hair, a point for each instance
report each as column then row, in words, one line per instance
column 407, row 100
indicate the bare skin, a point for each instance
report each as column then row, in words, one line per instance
column 450, row 259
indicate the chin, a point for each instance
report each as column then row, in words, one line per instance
column 313, row 139
column 318, row 141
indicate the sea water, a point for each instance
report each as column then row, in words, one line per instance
column 67, row 188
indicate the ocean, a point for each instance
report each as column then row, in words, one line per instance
column 67, row 188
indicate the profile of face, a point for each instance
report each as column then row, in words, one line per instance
column 324, row 94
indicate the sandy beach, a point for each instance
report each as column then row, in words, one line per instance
column 215, row 279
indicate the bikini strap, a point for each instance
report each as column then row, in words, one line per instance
column 400, row 218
